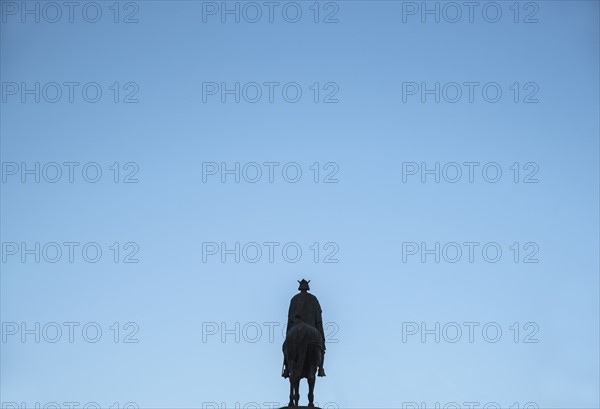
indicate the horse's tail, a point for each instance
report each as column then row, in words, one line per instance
column 299, row 341
column 302, row 353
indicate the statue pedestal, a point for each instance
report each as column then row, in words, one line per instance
column 300, row 407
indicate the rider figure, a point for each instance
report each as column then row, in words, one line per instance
column 305, row 307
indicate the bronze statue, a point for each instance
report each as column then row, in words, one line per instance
column 304, row 345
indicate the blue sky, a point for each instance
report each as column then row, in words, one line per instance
column 186, row 308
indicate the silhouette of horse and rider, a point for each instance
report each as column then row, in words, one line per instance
column 304, row 345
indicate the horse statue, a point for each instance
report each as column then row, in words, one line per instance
column 303, row 352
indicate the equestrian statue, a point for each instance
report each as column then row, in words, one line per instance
column 304, row 345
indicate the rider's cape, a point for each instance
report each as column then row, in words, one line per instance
column 305, row 307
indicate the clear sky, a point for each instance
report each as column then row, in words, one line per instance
column 375, row 100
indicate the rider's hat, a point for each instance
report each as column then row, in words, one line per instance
column 303, row 285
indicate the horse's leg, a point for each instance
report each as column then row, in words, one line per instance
column 291, row 392
column 297, row 391
column 311, row 389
